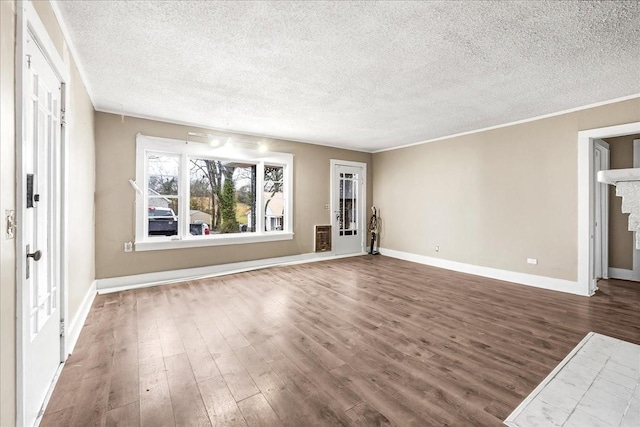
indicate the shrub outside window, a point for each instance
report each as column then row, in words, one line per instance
column 195, row 195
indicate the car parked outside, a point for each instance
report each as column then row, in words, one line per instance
column 199, row 228
column 162, row 222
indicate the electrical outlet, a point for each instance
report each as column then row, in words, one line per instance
column 128, row 247
column 327, row 207
column 533, row 261
column 437, row 248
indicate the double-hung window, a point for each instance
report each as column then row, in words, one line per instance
column 192, row 194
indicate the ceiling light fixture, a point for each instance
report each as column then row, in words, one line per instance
column 214, row 141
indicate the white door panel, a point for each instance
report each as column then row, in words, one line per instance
column 41, row 309
column 348, row 209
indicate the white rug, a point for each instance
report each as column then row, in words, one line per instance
column 597, row 384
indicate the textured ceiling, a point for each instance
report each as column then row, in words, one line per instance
column 363, row 75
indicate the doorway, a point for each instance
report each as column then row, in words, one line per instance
column 40, row 133
column 587, row 282
column 348, row 194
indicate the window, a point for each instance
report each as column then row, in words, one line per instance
column 196, row 195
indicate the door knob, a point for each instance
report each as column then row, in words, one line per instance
column 36, row 255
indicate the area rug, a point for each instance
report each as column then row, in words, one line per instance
column 597, row 384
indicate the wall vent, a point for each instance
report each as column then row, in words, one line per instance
column 322, row 240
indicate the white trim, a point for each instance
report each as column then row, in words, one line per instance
column 228, row 133
column 125, row 283
column 517, row 122
column 363, row 201
column 602, row 198
column 73, row 333
column 75, row 326
column 47, row 397
column 72, row 338
column 586, row 183
column 510, row 421
column 41, row 36
column 72, row 47
column 214, row 240
column 28, row 23
column 101, row 109
column 544, row 282
column 21, row 35
column 636, row 251
column 620, row 274
column 184, row 150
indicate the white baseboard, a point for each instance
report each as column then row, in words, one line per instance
column 124, row 283
column 621, row 273
column 75, row 326
column 493, row 273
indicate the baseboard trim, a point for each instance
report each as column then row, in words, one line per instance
column 492, row 273
column 76, row 324
column 125, row 283
column 621, row 274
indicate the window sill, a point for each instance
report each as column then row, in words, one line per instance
column 199, row 242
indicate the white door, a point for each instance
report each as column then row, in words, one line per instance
column 40, row 288
column 347, row 201
column 601, row 219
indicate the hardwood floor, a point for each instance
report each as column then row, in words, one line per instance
column 359, row 341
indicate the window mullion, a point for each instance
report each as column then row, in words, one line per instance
column 184, row 197
column 260, row 213
column 144, row 214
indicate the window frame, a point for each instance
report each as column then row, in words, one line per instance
column 189, row 150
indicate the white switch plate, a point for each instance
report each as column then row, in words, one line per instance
column 437, row 248
column 128, row 247
column 532, row 261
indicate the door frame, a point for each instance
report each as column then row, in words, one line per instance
column 601, row 209
column 28, row 23
column 636, row 252
column 363, row 200
column 586, row 199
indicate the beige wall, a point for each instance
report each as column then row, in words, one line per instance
column 493, row 198
column 115, row 155
column 621, row 240
column 7, row 201
column 81, row 157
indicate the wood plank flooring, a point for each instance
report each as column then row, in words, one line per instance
column 365, row 341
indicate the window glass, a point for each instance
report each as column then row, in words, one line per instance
column 274, row 201
column 222, row 197
column 163, row 219
column 196, row 195
column 162, row 194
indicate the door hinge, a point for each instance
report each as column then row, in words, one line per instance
column 29, row 61
column 62, row 328
column 63, row 118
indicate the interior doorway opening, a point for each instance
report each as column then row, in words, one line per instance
column 624, row 258
column 587, row 185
